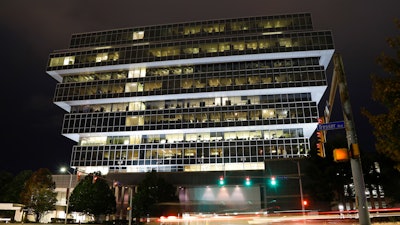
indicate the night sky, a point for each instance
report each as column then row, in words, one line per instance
column 31, row 30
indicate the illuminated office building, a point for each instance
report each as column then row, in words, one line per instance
column 216, row 95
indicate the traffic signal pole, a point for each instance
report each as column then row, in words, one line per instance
column 339, row 78
column 301, row 189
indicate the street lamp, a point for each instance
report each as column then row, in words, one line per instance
column 63, row 170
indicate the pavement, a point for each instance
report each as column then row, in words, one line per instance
column 236, row 222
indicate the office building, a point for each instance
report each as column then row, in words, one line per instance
column 216, row 97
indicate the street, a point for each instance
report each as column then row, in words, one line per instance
column 294, row 218
column 271, row 219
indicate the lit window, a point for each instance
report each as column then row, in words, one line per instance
column 56, row 61
column 138, row 35
column 101, row 57
column 62, row 61
column 137, row 72
column 69, row 60
column 85, row 141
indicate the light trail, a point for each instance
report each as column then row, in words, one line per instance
column 287, row 217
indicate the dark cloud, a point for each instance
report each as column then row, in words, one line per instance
column 30, row 30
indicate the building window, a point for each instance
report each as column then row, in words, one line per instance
column 69, row 60
column 62, row 61
column 101, row 57
column 137, row 35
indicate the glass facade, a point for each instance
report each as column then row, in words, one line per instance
column 224, row 27
column 221, row 95
column 251, row 75
column 192, row 49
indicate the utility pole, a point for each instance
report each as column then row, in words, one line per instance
column 354, row 152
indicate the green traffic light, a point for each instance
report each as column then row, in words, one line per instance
column 247, row 181
column 221, row 181
column 273, row 181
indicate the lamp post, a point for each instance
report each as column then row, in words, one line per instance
column 68, row 192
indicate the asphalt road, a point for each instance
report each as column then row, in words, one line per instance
column 276, row 219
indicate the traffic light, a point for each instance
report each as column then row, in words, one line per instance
column 320, row 136
column 354, row 150
column 321, row 150
column 321, row 140
column 305, row 202
column 247, row 181
column 340, row 155
column 321, row 120
column 221, row 181
column 273, row 182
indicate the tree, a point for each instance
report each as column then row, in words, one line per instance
column 39, row 193
column 5, row 179
column 386, row 90
column 328, row 181
column 11, row 188
column 93, row 195
column 152, row 192
column 325, row 180
column 11, row 191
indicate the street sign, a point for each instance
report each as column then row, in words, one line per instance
column 331, row 126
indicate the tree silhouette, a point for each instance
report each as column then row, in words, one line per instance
column 5, row 179
column 152, row 192
column 386, row 91
column 325, row 179
column 11, row 191
column 93, row 195
column 39, row 193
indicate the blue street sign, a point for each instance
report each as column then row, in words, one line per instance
column 331, row 126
